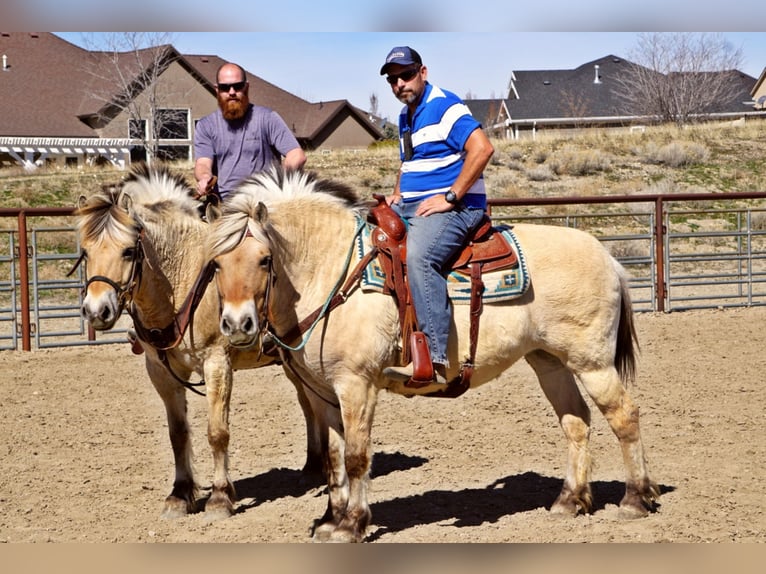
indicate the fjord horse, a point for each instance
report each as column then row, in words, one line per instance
column 143, row 246
column 282, row 249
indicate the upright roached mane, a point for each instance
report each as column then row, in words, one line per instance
column 276, row 187
column 574, row 323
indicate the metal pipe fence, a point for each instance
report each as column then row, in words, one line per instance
column 681, row 251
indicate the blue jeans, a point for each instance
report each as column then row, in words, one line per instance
column 433, row 241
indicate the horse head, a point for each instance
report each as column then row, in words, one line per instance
column 242, row 254
column 112, row 230
column 249, row 243
column 111, row 250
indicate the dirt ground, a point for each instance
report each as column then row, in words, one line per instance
column 85, row 455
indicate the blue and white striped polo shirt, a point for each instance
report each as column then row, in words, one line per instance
column 440, row 127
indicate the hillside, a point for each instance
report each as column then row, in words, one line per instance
column 716, row 159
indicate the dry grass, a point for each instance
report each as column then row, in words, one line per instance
column 715, row 158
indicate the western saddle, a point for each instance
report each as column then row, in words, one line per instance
column 485, row 250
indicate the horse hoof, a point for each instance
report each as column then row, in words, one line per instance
column 218, row 510
column 632, row 512
column 216, row 514
column 176, row 507
column 564, row 510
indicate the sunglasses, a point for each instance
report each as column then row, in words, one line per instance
column 238, row 86
column 405, row 76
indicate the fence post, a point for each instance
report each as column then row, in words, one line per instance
column 659, row 250
column 26, row 339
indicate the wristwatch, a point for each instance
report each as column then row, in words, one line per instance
column 451, row 197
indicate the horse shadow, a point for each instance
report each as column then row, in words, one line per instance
column 474, row 506
column 466, row 508
column 284, row 482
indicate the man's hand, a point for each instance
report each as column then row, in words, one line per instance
column 434, row 204
column 205, row 185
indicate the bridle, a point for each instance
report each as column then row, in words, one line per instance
column 125, row 291
column 168, row 337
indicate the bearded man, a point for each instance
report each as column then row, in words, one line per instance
column 240, row 138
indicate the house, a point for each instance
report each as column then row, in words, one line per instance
column 62, row 103
column 586, row 97
column 493, row 114
column 758, row 93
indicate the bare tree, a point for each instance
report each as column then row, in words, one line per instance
column 374, row 104
column 125, row 72
column 679, row 77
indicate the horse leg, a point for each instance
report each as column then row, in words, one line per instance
column 218, row 385
column 181, row 500
column 314, row 465
column 560, row 388
column 348, row 514
column 607, row 391
column 335, row 469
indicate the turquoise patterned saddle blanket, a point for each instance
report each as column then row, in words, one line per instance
column 500, row 285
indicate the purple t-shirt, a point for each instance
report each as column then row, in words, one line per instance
column 243, row 147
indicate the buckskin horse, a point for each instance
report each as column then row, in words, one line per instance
column 143, row 243
column 282, row 246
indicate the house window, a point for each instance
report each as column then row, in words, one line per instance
column 137, row 129
column 173, row 124
column 173, row 152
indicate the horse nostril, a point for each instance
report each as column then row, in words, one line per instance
column 106, row 314
column 248, row 326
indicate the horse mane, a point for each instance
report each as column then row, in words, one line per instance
column 103, row 215
column 160, row 190
column 278, row 189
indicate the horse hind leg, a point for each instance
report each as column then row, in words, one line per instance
column 182, row 499
column 560, row 388
column 606, row 389
column 313, row 468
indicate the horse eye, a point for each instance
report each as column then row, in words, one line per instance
column 266, row 261
column 129, row 253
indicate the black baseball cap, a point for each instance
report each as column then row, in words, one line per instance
column 402, row 55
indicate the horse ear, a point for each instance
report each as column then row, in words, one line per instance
column 262, row 213
column 82, row 201
column 125, row 201
column 212, row 212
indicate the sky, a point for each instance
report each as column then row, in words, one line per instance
column 325, row 66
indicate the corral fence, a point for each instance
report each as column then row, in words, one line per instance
column 681, row 251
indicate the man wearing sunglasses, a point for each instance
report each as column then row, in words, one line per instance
column 439, row 192
column 240, row 138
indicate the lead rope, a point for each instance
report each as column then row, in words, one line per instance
column 334, row 294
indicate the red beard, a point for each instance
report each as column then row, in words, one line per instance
column 232, row 108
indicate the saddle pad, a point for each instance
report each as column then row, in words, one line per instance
column 500, row 285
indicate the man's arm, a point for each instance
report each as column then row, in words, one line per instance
column 203, row 173
column 294, row 159
column 478, row 150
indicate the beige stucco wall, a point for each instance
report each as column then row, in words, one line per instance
column 176, row 88
column 348, row 134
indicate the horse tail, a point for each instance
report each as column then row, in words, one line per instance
column 627, row 339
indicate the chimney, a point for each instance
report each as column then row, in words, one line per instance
column 597, row 79
column 6, row 67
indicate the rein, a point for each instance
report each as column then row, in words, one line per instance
column 337, row 296
column 170, row 336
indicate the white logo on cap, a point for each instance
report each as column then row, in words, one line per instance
column 395, row 55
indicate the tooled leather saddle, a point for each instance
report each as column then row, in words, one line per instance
column 485, row 250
